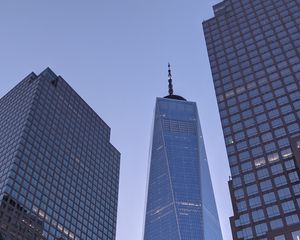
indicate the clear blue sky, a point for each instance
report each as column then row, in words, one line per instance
column 115, row 53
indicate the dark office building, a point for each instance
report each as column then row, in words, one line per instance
column 254, row 52
column 17, row 224
column 180, row 201
column 59, row 173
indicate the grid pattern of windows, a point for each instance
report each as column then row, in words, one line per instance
column 63, row 168
column 16, row 223
column 180, row 202
column 254, row 49
column 14, row 108
column 179, row 126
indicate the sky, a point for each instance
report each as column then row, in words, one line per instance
column 114, row 53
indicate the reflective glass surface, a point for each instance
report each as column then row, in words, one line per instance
column 57, row 161
column 254, row 49
column 180, row 201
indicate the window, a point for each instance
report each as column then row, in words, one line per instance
column 259, row 162
column 273, row 114
column 276, row 224
column 257, row 151
column 284, row 193
column 289, row 164
column 298, row 144
column 267, row 137
column 283, row 142
column 280, row 180
column 282, row 100
column 261, row 118
column 276, row 123
column 254, row 202
column 252, row 189
column 273, row 211
column 235, row 118
column 266, row 185
column 251, row 132
column 268, row 96
column 277, row 168
column 246, row 166
column 256, row 101
column 261, row 229
column 248, row 178
column 280, row 237
column 239, row 136
column 232, row 160
column 293, row 176
column 270, row 105
column 296, row 235
column 280, row 132
column 227, row 131
column 262, row 173
column 244, row 156
column 245, row 233
column 247, row 114
column 288, row 206
column 235, row 170
column 269, row 197
column 254, row 141
column 286, row 109
column 286, row 153
column 293, row 219
column 241, row 145
column 232, row 110
column 293, row 128
column 273, row 157
column 264, row 127
column 229, row 140
column 239, row 193
column 270, row 147
column 236, row 181
column 289, row 118
column 244, row 219
column 258, row 215
column 241, row 206
column 296, row 189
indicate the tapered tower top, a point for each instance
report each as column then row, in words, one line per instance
column 171, row 95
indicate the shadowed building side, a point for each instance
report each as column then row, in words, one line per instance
column 56, row 160
column 254, row 53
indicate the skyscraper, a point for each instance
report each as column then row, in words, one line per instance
column 180, row 201
column 58, row 172
column 254, row 52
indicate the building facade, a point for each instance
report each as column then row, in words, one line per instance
column 58, row 168
column 254, row 52
column 180, row 201
column 18, row 224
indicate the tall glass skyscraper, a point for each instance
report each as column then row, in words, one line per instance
column 59, row 173
column 254, row 52
column 180, row 201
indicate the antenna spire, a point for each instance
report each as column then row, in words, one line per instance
column 170, row 80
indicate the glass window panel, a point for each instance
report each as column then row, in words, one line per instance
column 280, row 237
column 296, row 235
column 277, row 223
column 266, row 185
column 259, row 162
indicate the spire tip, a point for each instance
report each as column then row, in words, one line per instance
column 170, row 79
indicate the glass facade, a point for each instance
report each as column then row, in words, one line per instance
column 180, row 201
column 254, row 52
column 56, row 159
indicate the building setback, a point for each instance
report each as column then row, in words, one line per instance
column 254, row 52
column 59, row 174
column 180, row 201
